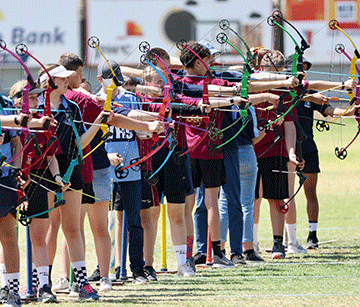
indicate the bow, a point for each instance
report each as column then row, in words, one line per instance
column 169, row 95
column 225, row 25
column 341, row 153
column 222, row 38
column 297, row 62
column 333, row 25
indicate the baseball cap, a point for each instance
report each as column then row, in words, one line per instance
column 208, row 45
column 59, row 71
column 105, row 72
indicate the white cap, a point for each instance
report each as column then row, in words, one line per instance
column 209, row 46
column 59, row 71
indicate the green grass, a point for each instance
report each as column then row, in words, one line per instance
column 326, row 277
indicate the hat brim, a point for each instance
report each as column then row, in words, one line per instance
column 36, row 91
column 65, row 74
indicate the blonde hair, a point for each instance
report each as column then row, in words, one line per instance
column 273, row 59
column 17, row 88
column 148, row 74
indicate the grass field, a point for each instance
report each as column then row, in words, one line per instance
column 329, row 276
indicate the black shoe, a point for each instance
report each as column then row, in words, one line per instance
column 191, row 262
column 95, row 276
column 139, row 277
column 278, row 251
column 117, row 272
column 238, row 259
column 46, row 295
column 150, row 273
column 312, row 243
column 252, row 257
column 199, row 258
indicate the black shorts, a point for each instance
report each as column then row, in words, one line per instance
column 173, row 177
column 275, row 184
column 311, row 163
column 211, row 172
column 8, row 198
column 76, row 179
column 147, row 200
column 38, row 196
column 90, row 197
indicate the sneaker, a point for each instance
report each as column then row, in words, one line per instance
column 139, row 277
column 105, row 284
column 257, row 248
column 150, row 273
column 191, row 262
column 312, row 243
column 238, row 259
column 13, row 300
column 199, row 258
column 74, row 290
column 88, row 293
column 253, row 258
column 296, row 249
column 3, row 294
column 95, row 276
column 222, row 263
column 46, row 296
column 185, row 270
column 278, row 251
column 61, row 284
column 117, row 272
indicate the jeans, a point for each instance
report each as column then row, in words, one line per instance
column 224, row 215
column 130, row 192
column 239, row 190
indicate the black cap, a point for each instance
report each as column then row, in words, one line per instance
column 36, row 91
column 105, row 72
column 288, row 62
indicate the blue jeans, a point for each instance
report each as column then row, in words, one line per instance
column 200, row 220
column 128, row 193
column 224, row 215
column 239, row 190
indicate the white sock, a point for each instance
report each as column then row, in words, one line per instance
column 43, row 275
column 313, row 226
column 255, row 233
column 3, row 275
column 180, row 252
column 291, row 231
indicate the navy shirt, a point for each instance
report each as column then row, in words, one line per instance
column 246, row 135
column 305, row 110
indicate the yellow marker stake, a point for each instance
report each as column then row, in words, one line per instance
column 163, row 237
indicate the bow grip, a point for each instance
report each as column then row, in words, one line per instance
column 104, row 119
column 24, row 122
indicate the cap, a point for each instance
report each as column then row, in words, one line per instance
column 105, row 72
column 36, row 91
column 209, row 46
column 288, row 62
column 59, row 71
